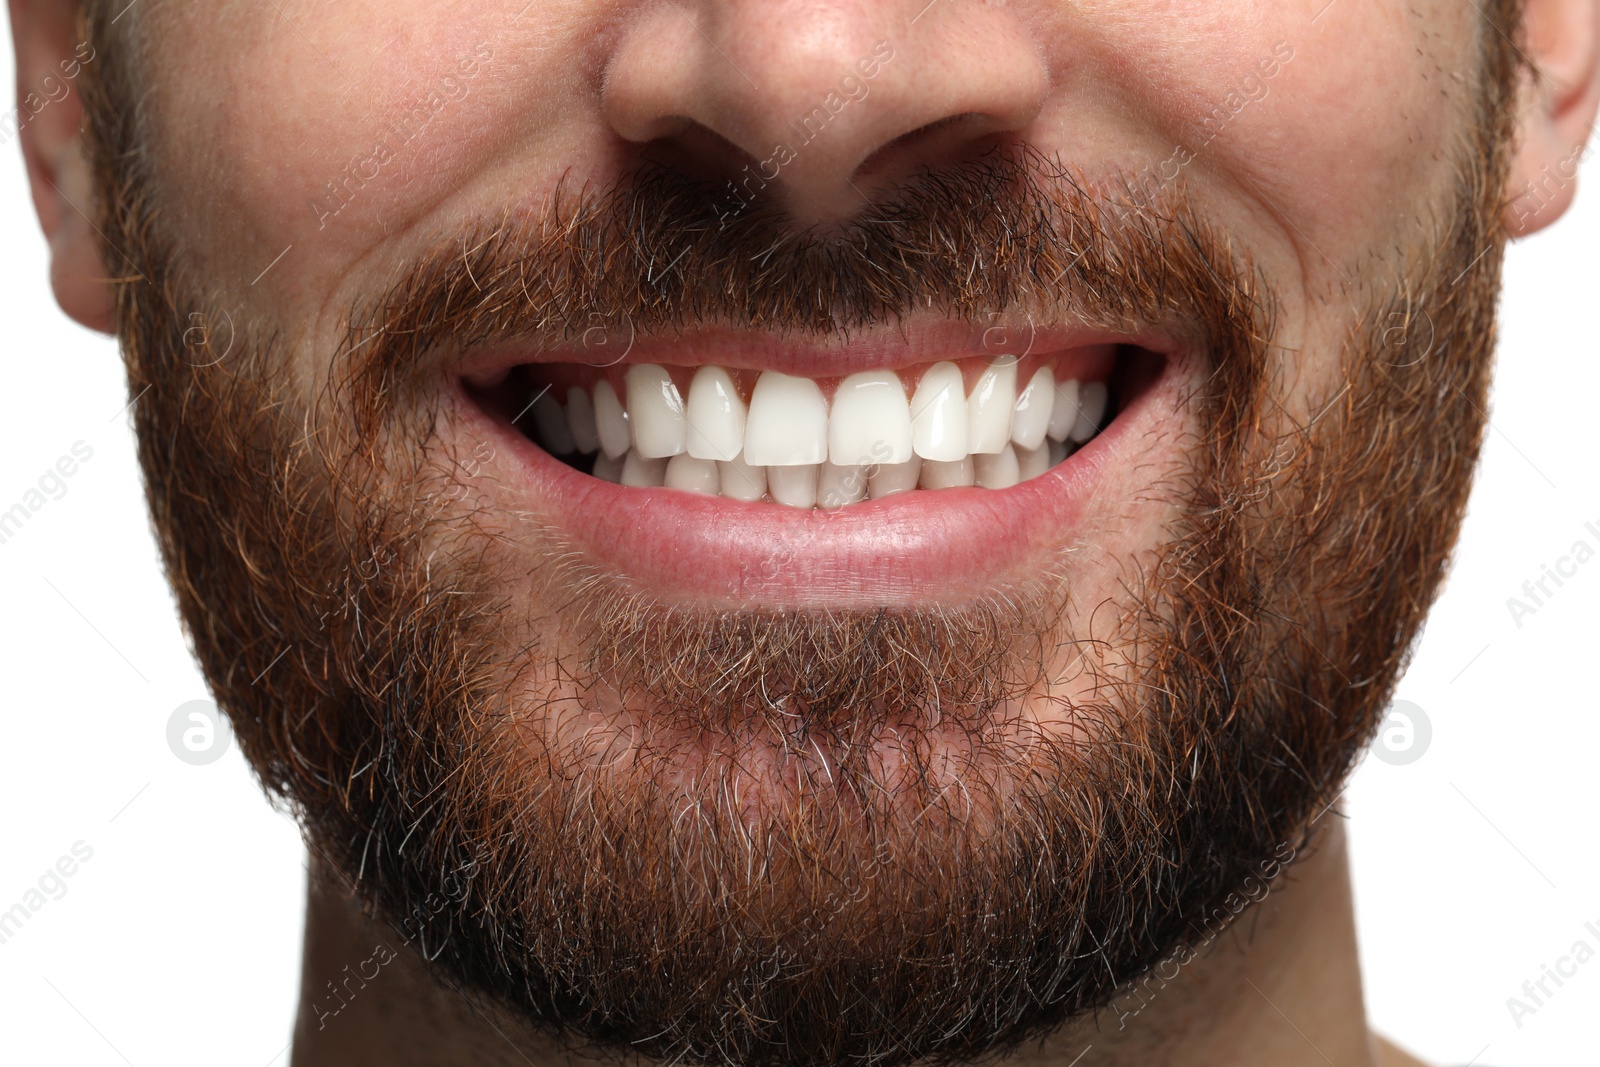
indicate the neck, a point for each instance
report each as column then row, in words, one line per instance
column 1281, row 985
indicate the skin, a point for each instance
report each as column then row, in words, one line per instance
column 1208, row 1015
column 256, row 106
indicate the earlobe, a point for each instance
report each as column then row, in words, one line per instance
column 1562, row 38
column 77, row 269
column 50, row 64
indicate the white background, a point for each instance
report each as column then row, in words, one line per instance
column 178, row 941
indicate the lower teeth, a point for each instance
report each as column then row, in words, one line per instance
column 822, row 485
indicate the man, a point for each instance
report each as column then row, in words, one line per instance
column 807, row 533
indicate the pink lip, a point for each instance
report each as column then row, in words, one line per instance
column 918, row 547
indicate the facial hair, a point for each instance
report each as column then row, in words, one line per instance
column 994, row 881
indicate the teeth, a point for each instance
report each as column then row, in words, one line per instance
column 641, row 472
column 939, row 415
column 838, row 486
column 1032, row 462
column 611, row 421
column 790, row 445
column 989, row 408
column 870, row 421
column 608, row 468
column 788, row 423
column 580, row 413
column 716, row 415
column 997, row 471
column 1030, row 420
column 954, row 474
column 656, row 411
column 550, row 422
column 696, row 475
column 1091, row 409
column 742, row 481
column 793, row 484
column 1064, row 412
column 891, row 478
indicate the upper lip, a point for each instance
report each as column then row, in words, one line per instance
column 890, row 347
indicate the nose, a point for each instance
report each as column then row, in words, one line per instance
column 818, row 103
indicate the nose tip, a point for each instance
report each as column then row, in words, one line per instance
column 817, row 105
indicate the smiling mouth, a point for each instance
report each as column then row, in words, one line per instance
column 819, row 443
column 718, row 472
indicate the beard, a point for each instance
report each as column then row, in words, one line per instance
column 961, row 857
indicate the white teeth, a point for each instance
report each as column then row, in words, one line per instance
column 1091, row 409
column 870, row 421
column 838, row 486
column 656, row 412
column 793, row 484
column 954, row 474
column 695, row 475
column 989, row 408
column 998, row 470
column 790, row 445
column 608, row 468
column 939, row 415
column 580, row 413
column 1031, row 418
column 742, row 481
column 551, row 423
column 788, row 424
column 1064, row 413
column 1032, row 462
column 611, row 421
column 891, row 478
column 643, row 473
column 716, row 415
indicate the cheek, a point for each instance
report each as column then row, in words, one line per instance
column 1358, row 141
column 328, row 129
column 1327, row 121
column 1325, row 145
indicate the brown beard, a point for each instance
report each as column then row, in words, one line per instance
column 991, row 884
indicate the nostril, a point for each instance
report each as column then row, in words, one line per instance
column 699, row 153
column 717, row 90
column 947, row 141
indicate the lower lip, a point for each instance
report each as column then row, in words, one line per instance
column 922, row 546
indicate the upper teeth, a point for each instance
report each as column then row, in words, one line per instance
column 789, row 445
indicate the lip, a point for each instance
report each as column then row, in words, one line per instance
column 605, row 345
column 927, row 546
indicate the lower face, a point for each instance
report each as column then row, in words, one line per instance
column 757, row 649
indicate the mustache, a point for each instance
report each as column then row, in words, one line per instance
column 1014, row 233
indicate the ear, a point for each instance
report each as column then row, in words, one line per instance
column 50, row 61
column 1563, row 41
